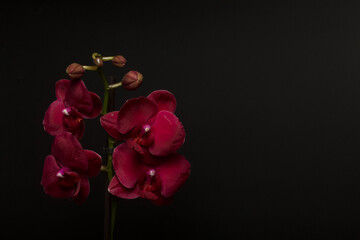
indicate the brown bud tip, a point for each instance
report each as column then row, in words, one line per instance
column 98, row 61
column 119, row 61
column 75, row 70
column 132, row 80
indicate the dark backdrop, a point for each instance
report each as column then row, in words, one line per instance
column 268, row 94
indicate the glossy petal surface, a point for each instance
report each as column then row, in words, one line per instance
column 78, row 96
column 82, row 191
column 51, row 182
column 164, row 100
column 109, row 123
column 173, row 174
column 126, row 165
column 135, row 113
column 68, row 152
column 118, row 190
column 53, row 119
column 94, row 163
column 96, row 106
column 61, row 87
column 168, row 133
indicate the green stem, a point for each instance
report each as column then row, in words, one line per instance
column 109, row 165
column 110, row 213
column 90, row 68
column 110, row 175
column 106, row 90
column 115, row 85
column 107, row 58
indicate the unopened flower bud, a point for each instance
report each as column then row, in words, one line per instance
column 98, row 61
column 119, row 61
column 75, row 70
column 132, row 80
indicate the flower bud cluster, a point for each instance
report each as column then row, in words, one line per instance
column 130, row 81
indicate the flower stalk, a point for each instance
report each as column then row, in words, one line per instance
column 110, row 203
column 90, row 68
column 106, row 91
column 107, row 58
column 115, row 85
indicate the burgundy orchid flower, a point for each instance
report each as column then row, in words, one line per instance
column 66, row 171
column 149, row 123
column 74, row 103
column 134, row 178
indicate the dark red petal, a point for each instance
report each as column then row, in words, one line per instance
column 126, row 165
column 82, row 191
column 94, row 163
column 61, row 87
column 173, row 174
column 161, row 200
column 145, row 155
column 147, row 139
column 135, row 146
column 109, row 123
column 147, row 195
column 78, row 96
column 51, row 182
column 69, row 178
column 69, row 153
column 53, row 119
column 165, row 100
column 168, row 133
column 74, row 123
column 118, row 190
column 96, row 109
column 135, row 113
column 79, row 131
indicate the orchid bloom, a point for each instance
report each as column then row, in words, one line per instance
column 149, row 123
column 66, row 171
column 74, row 103
column 134, row 178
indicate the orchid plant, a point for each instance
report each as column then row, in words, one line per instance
column 143, row 138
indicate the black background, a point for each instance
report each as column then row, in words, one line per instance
column 268, row 93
